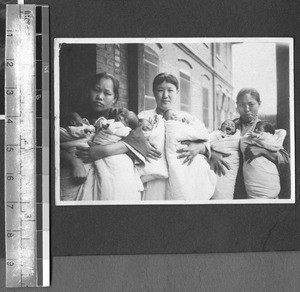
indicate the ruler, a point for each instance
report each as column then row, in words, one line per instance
column 27, row 146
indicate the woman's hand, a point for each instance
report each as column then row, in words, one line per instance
column 83, row 153
column 153, row 153
column 252, row 152
column 90, row 154
column 190, row 150
column 76, row 166
column 78, row 171
column 217, row 163
column 95, row 152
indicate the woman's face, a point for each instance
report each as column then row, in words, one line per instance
column 102, row 95
column 165, row 95
column 247, row 107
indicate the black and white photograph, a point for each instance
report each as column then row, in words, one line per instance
column 174, row 121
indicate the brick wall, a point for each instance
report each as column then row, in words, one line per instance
column 203, row 50
column 222, row 62
column 113, row 58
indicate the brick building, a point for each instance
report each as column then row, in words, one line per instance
column 203, row 71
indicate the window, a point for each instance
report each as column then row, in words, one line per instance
column 225, row 51
column 218, row 49
column 151, row 70
column 185, row 99
column 229, row 52
column 205, row 106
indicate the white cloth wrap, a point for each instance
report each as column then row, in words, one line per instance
column 226, row 144
column 114, row 177
column 155, row 168
column 69, row 141
column 261, row 176
column 187, row 182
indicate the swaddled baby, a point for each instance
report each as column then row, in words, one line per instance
column 226, row 140
column 154, row 132
column 76, row 132
column 113, row 177
column 261, row 175
column 186, row 182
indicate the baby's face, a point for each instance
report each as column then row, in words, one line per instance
column 146, row 125
column 228, row 127
column 259, row 130
column 127, row 118
column 75, row 123
column 170, row 115
column 122, row 117
column 75, row 120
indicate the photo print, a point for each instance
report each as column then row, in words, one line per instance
column 174, row 121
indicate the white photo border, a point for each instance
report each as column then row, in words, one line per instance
column 59, row 41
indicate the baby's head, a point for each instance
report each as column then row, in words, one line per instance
column 228, row 127
column 170, row 114
column 75, row 119
column 146, row 125
column 264, row 127
column 128, row 119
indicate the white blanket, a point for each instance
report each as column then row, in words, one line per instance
column 115, row 177
column 70, row 140
column 226, row 144
column 261, row 176
column 187, row 182
column 155, row 168
column 112, row 178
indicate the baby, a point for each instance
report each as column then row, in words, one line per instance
column 146, row 125
column 128, row 119
column 261, row 176
column 77, row 132
column 228, row 127
column 154, row 132
column 226, row 140
column 116, row 176
column 264, row 127
column 124, row 122
column 173, row 115
column 186, row 182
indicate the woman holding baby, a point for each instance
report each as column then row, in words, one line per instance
column 102, row 96
column 255, row 157
column 178, row 149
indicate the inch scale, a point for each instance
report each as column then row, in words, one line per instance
column 27, row 146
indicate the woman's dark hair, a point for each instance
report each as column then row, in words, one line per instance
column 266, row 126
column 161, row 77
column 252, row 91
column 106, row 75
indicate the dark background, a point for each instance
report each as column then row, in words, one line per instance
column 108, row 230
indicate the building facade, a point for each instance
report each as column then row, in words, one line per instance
column 204, row 71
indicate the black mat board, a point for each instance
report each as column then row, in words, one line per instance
column 89, row 230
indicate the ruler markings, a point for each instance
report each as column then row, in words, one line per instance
column 24, row 264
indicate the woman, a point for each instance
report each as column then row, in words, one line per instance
column 103, row 95
column 166, row 89
column 248, row 104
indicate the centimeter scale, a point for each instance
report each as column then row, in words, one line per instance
column 27, row 146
